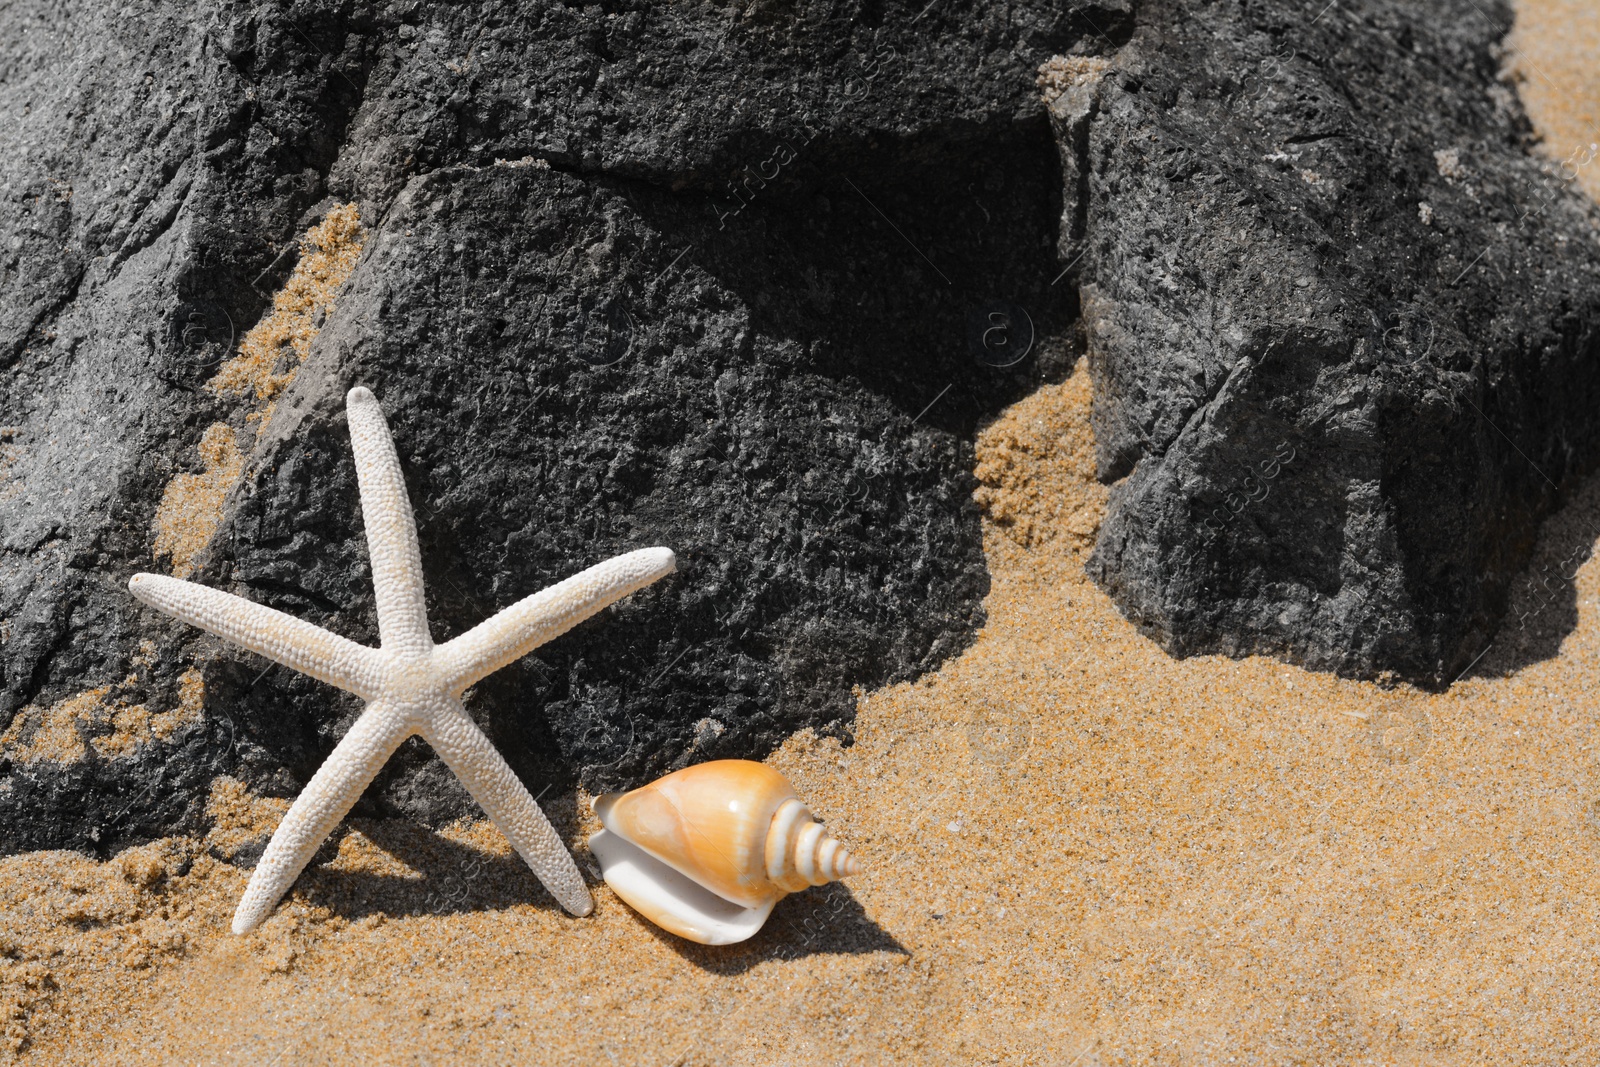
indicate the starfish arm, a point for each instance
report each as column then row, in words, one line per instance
column 290, row 641
column 496, row 788
column 391, row 529
column 532, row 621
column 330, row 794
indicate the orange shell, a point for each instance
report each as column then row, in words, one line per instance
column 734, row 827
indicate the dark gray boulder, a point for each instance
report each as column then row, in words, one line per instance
column 635, row 274
column 1342, row 327
column 714, row 278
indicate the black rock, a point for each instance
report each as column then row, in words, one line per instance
column 723, row 279
column 1342, row 327
column 635, row 274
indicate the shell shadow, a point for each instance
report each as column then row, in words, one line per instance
column 1543, row 599
column 455, row 877
column 818, row 921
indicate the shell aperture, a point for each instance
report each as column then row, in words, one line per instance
column 668, row 899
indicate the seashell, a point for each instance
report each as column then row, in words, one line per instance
column 707, row 851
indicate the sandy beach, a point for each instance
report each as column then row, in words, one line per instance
column 1552, row 55
column 1079, row 851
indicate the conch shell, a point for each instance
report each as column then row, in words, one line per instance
column 707, row 851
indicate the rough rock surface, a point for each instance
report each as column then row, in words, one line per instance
column 711, row 277
column 632, row 274
column 1342, row 327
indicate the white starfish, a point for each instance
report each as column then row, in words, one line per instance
column 410, row 685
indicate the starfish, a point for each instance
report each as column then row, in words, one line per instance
column 411, row 685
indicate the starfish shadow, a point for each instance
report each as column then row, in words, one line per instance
column 455, row 877
column 823, row 920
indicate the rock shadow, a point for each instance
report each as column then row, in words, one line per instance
column 1543, row 600
column 872, row 266
column 819, row 921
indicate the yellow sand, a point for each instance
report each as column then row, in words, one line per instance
column 1554, row 57
column 272, row 351
column 1077, row 847
column 191, row 506
column 1080, row 852
column 112, row 724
